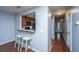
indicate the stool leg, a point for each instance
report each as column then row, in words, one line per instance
column 15, row 45
column 20, row 48
column 30, row 44
column 25, row 49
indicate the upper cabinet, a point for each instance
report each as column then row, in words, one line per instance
column 28, row 22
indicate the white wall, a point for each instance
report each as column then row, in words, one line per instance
column 7, row 27
column 40, row 37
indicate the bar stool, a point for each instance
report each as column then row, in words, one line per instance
column 18, row 41
column 26, row 43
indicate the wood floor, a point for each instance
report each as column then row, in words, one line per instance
column 9, row 47
column 59, row 45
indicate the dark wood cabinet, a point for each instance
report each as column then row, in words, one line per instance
column 27, row 21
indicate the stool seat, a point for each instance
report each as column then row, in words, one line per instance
column 19, row 35
column 26, row 38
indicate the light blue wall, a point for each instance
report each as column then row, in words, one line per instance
column 75, row 32
column 49, row 27
column 40, row 37
column 7, row 27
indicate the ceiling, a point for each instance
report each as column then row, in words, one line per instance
column 16, row 9
column 59, row 12
column 56, row 9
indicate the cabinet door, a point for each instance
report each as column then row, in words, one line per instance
column 23, row 21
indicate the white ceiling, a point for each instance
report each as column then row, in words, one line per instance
column 15, row 10
column 56, row 9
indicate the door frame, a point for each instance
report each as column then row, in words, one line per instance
column 53, row 27
column 69, row 30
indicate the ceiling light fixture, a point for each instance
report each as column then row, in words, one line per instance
column 59, row 13
column 49, row 14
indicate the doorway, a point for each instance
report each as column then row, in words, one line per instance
column 59, row 26
column 59, row 41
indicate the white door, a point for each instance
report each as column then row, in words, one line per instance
column 75, row 31
column 69, row 30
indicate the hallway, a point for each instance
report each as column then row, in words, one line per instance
column 59, row 45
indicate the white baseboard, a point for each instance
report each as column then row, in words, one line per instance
column 6, row 42
column 67, row 44
column 50, row 48
column 35, row 50
column 53, row 38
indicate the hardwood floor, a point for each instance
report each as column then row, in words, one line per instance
column 59, row 45
column 9, row 47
